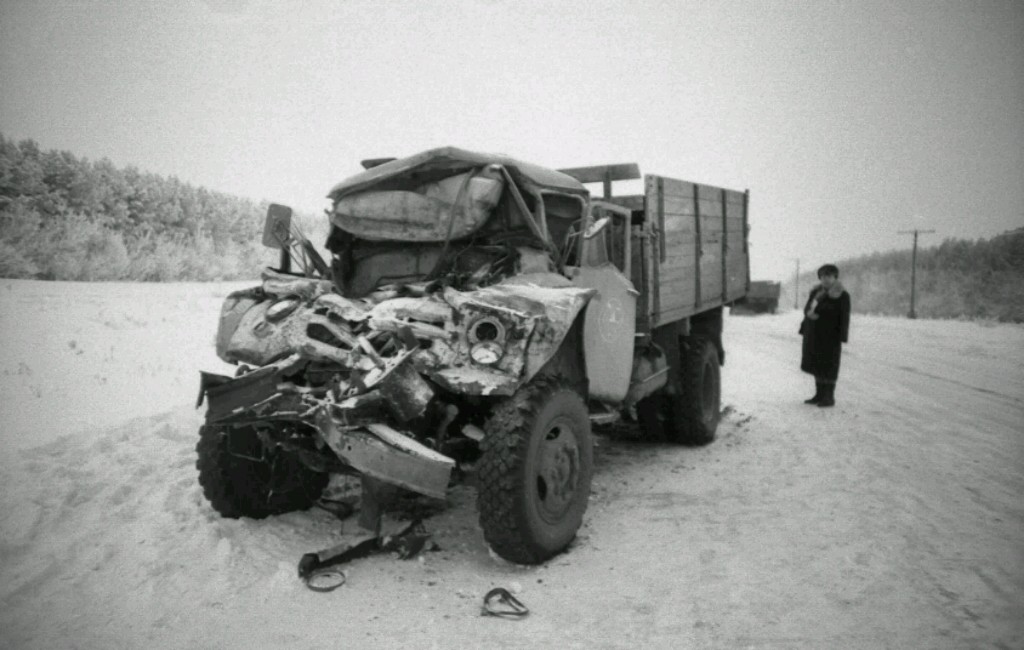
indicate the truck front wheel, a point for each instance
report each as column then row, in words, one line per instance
column 534, row 472
column 241, row 478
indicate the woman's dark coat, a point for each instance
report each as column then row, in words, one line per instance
column 824, row 337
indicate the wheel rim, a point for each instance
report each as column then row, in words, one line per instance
column 558, row 470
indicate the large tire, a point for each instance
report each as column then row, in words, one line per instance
column 655, row 415
column 701, row 401
column 238, row 485
column 534, row 472
column 691, row 417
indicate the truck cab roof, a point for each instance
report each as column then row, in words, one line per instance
column 446, row 161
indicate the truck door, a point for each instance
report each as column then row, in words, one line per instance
column 610, row 321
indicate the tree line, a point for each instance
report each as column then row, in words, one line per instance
column 958, row 278
column 67, row 218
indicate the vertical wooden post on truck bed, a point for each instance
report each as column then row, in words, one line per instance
column 656, row 258
column 725, row 249
column 698, row 242
column 746, row 234
column 662, row 243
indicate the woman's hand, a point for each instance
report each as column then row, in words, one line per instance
column 811, row 313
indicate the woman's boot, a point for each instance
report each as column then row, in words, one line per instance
column 829, row 396
column 817, row 394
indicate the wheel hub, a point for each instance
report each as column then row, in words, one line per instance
column 557, row 471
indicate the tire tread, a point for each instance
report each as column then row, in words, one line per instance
column 503, row 454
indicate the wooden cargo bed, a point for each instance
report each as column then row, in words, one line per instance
column 689, row 252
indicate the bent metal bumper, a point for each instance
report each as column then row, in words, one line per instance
column 352, row 428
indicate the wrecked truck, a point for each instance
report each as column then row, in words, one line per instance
column 478, row 314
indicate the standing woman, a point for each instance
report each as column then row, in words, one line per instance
column 825, row 327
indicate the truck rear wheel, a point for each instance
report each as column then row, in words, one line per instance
column 655, row 416
column 534, row 472
column 242, row 479
column 691, row 417
column 700, row 402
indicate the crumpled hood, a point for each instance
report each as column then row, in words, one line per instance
column 522, row 325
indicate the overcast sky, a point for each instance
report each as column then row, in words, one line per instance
column 847, row 121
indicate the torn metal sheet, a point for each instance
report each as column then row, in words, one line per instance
column 227, row 396
column 352, row 311
column 408, row 395
column 281, row 285
column 358, row 410
column 419, row 330
column 387, row 455
column 428, row 310
column 257, row 332
column 475, row 381
column 235, row 306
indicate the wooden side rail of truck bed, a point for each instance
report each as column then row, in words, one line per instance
column 689, row 243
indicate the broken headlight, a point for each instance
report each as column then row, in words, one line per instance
column 486, row 338
column 487, row 353
column 282, row 308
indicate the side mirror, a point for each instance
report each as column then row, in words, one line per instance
column 277, row 233
column 278, row 226
column 595, row 228
column 594, row 251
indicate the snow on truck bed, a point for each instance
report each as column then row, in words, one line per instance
column 895, row 519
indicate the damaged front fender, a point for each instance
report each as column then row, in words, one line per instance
column 546, row 312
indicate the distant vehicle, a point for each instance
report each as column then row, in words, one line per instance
column 763, row 297
column 479, row 311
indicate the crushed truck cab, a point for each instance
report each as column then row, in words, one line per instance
column 476, row 312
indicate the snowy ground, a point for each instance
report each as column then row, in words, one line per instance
column 894, row 520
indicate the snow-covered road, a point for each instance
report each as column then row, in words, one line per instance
column 894, row 520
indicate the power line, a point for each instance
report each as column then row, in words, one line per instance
column 913, row 267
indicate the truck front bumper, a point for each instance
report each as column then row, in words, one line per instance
column 354, row 429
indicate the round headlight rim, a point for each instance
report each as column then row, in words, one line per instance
column 499, row 327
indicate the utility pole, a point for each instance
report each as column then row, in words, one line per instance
column 796, row 291
column 913, row 268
